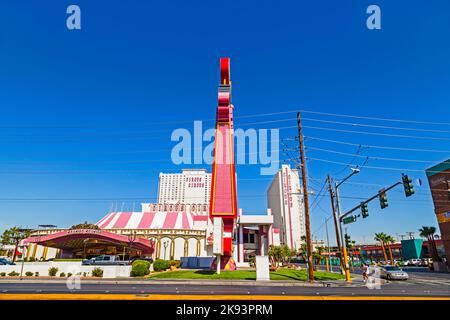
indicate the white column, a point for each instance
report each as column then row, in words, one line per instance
column 241, row 244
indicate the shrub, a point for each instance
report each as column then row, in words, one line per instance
column 29, row 274
column 97, row 272
column 2, row 274
column 160, row 265
column 84, row 274
column 36, row 274
column 52, row 271
column 13, row 274
column 252, row 261
column 175, row 263
column 62, row 274
column 140, row 268
column 69, row 275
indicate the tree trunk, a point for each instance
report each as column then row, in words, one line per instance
column 390, row 254
column 384, row 252
column 15, row 252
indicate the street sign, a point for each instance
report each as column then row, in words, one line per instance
column 348, row 220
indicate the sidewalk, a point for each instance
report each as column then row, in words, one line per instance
column 356, row 282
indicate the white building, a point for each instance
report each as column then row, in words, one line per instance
column 192, row 186
column 285, row 199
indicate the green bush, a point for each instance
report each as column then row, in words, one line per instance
column 140, row 268
column 36, row 274
column 160, row 265
column 252, row 261
column 2, row 274
column 69, row 275
column 175, row 263
column 13, row 274
column 52, row 271
column 29, row 274
column 97, row 272
column 62, row 274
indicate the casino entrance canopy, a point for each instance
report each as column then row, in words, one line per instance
column 77, row 242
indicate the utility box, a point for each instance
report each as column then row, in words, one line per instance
column 262, row 268
column 218, row 236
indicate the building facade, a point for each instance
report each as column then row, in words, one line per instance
column 285, row 200
column 439, row 182
column 191, row 186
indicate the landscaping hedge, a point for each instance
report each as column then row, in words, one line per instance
column 140, row 268
column 160, row 265
column 97, row 272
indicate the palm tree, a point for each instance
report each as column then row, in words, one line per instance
column 428, row 233
column 381, row 238
column 390, row 240
column 318, row 256
column 13, row 236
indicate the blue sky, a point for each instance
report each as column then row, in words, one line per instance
column 89, row 113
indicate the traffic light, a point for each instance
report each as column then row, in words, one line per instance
column 350, row 219
column 407, row 185
column 364, row 210
column 383, row 199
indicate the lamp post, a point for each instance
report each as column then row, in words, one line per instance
column 22, row 246
column 338, row 205
column 165, row 244
column 131, row 240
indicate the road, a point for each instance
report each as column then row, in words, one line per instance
column 418, row 286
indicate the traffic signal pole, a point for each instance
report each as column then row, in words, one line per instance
column 383, row 191
column 344, row 247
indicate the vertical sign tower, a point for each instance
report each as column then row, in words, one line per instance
column 223, row 185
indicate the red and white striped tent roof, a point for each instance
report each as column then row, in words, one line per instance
column 150, row 220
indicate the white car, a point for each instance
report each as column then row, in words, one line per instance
column 393, row 273
column 412, row 262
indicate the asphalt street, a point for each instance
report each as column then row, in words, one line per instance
column 415, row 286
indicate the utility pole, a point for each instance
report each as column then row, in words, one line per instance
column 305, row 200
column 338, row 238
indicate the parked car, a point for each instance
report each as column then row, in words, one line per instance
column 143, row 258
column 393, row 273
column 4, row 262
column 105, row 260
column 412, row 262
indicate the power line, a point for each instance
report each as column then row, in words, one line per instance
column 377, row 146
column 376, row 126
column 374, row 133
column 374, row 157
column 372, row 167
column 375, row 118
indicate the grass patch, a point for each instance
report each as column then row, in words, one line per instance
column 67, row 260
column 281, row 274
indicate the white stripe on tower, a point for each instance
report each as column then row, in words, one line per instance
column 179, row 222
column 103, row 219
column 190, row 220
column 159, row 219
column 135, row 218
column 113, row 221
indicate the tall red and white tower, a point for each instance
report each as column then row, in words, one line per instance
column 223, row 202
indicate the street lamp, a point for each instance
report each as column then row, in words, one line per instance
column 338, row 205
column 165, row 244
column 22, row 246
column 131, row 240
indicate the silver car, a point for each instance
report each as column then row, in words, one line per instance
column 393, row 273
